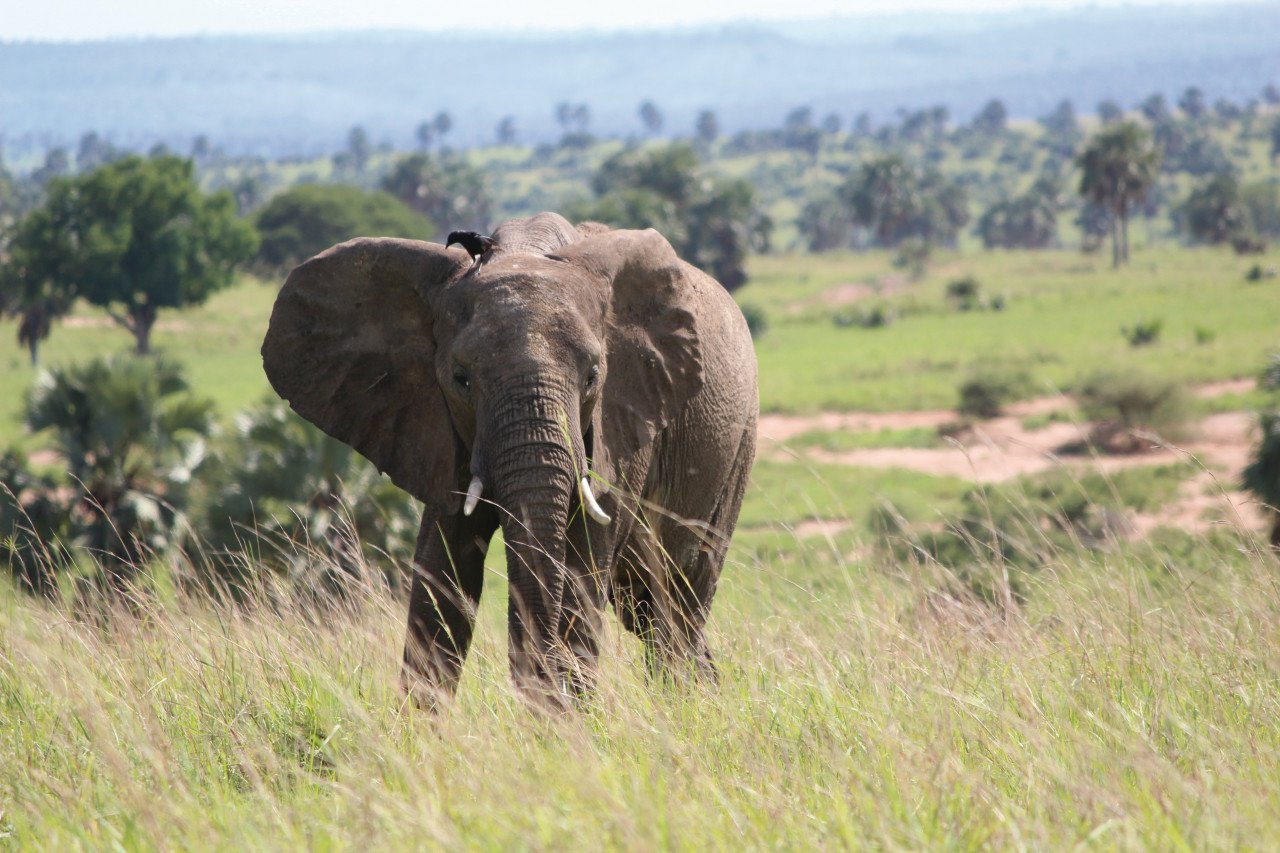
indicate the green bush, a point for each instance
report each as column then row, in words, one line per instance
column 1258, row 272
column 986, row 392
column 1143, row 332
column 1125, row 405
column 1205, row 335
column 757, row 320
column 876, row 317
column 964, row 293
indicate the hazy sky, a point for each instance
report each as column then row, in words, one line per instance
column 91, row 19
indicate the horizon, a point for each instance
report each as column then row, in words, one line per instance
column 74, row 21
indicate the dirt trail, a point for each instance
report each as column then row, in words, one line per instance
column 1002, row 448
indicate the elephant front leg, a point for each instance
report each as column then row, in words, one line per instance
column 448, row 575
column 587, row 560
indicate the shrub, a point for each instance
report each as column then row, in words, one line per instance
column 985, row 393
column 877, row 317
column 963, row 292
column 1143, row 332
column 757, row 320
column 1123, row 405
column 1271, row 373
column 1258, row 272
column 1205, row 335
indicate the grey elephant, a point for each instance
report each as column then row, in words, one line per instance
column 582, row 388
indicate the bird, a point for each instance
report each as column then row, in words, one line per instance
column 476, row 245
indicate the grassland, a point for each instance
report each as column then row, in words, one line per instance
column 1130, row 699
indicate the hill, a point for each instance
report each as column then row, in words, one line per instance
column 279, row 96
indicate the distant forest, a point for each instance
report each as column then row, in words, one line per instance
column 299, row 96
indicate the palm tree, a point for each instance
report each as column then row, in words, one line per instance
column 1119, row 165
column 131, row 436
column 278, row 490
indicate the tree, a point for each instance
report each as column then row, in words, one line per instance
column 354, row 159
column 651, row 118
column 56, row 165
column 1027, row 221
column 132, row 237
column 896, row 201
column 992, row 118
column 302, row 221
column 130, row 434
column 450, row 192
column 36, row 282
column 1109, row 112
column 1119, row 166
column 1271, row 95
column 707, row 127
column 1214, row 212
column 1061, row 129
column 832, row 124
column 712, row 223
column 824, row 224
column 94, row 151
column 1275, row 139
column 506, row 131
column 1155, row 108
column 1192, row 102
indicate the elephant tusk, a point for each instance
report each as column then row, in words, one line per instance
column 473, row 496
column 593, row 508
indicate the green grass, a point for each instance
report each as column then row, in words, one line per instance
column 836, row 441
column 217, row 344
column 1132, row 704
column 1062, row 322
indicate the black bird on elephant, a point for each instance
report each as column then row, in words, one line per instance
column 478, row 246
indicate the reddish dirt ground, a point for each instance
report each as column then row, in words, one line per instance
column 1001, row 448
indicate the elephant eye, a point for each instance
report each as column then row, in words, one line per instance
column 592, row 375
column 461, row 378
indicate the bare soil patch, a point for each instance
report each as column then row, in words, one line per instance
column 1002, row 448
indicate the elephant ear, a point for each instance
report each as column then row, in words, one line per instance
column 350, row 347
column 654, row 358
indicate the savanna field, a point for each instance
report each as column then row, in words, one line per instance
column 933, row 631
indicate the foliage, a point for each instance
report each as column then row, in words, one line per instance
column 1027, row 221
column 1118, row 168
column 1214, row 212
column 1004, row 534
column 712, row 222
column 965, row 293
column 35, row 524
column 135, row 235
column 278, row 492
column 1128, row 406
column 986, row 391
column 131, row 435
column 446, row 189
column 757, row 320
column 1143, row 332
column 300, row 222
column 896, row 201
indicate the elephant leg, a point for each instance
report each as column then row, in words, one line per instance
column 448, row 575
column 673, row 572
column 587, row 564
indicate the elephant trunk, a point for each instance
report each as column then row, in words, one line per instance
column 534, row 458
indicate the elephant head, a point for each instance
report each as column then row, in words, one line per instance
column 520, row 380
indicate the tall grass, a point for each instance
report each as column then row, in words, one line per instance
column 1133, row 701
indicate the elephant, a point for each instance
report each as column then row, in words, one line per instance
column 582, row 388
